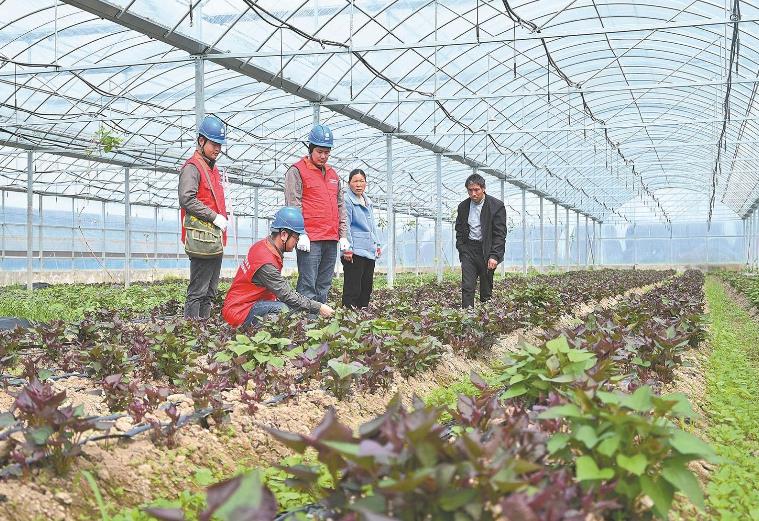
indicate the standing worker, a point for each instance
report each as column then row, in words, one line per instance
column 204, row 218
column 313, row 186
column 259, row 288
column 480, row 239
column 358, row 261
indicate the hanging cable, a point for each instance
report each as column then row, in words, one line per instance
column 735, row 17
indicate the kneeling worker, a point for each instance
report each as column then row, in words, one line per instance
column 259, row 288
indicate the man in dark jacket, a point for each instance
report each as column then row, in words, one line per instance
column 480, row 239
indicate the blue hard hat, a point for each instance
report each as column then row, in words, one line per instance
column 288, row 218
column 213, row 129
column 321, row 136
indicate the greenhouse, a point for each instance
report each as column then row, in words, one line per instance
column 361, row 260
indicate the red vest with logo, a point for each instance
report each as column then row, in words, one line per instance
column 211, row 196
column 319, row 201
column 243, row 293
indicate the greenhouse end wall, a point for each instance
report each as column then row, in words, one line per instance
column 85, row 239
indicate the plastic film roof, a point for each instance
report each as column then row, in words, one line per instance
column 620, row 110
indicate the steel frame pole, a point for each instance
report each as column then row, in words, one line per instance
column 439, row 216
column 390, row 211
column 577, row 236
column 567, row 258
column 541, row 232
column 104, row 248
column 127, row 231
column 29, row 217
column 588, row 243
column 416, row 246
column 200, row 99
column 556, row 235
column 503, row 200
column 524, row 230
column 255, row 216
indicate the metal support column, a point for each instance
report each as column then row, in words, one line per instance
column 200, row 98
column 390, row 211
column 439, row 216
column 255, row 214
column 588, row 244
column 503, row 200
column 567, row 260
column 317, row 114
column 29, row 215
column 541, row 233
column 555, row 235
column 237, row 238
column 745, row 237
column 600, row 243
column 41, row 221
column 635, row 243
column 2, row 226
column 453, row 244
column 127, row 231
column 577, row 236
column 73, row 232
column 102, row 215
column 524, row 230
column 416, row 245
column 155, row 237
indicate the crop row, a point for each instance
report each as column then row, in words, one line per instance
column 554, row 437
column 568, row 429
column 138, row 365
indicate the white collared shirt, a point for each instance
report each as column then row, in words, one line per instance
column 475, row 229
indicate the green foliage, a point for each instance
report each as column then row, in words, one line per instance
column 733, row 416
column 630, row 439
column 258, row 350
column 288, row 497
column 340, row 374
column 71, row 301
column 172, row 349
column 50, row 429
column 107, row 358
column 107, row 140
column 531, row 372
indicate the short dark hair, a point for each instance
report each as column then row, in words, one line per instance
column 474, row 179
column 355, row 172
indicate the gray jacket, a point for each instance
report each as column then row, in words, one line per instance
column 189, row 180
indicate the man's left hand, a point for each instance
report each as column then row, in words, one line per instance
column 492, row 264
column 378, row 252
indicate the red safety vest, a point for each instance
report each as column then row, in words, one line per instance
column 211, row 196
column 319, row 201
column 243, row 293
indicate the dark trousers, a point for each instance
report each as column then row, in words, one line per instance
column 474, row 265
column 204, row 283
column 358, row 282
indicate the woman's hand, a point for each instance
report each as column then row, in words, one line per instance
column 378, row 252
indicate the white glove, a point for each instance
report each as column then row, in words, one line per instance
column 220, row 222
column 304, row 243
column 344, row 244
